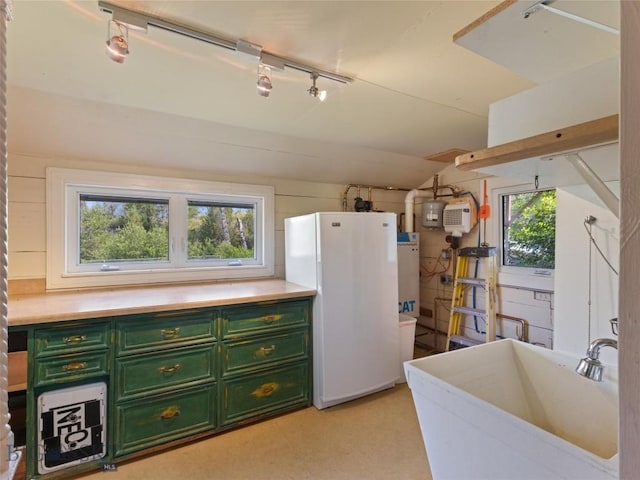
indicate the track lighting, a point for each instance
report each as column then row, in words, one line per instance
column 264, row 80
column 125, row 20
column 313, row 90
column 117, row 45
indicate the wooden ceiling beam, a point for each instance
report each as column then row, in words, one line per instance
column 594, row 132
column 484, row 18
column 448, row 156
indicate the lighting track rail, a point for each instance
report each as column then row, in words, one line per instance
column 138, row 20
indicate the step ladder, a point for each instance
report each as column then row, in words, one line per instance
column 462, row 280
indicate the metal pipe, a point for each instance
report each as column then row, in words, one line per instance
column 369, row 187
column 422, row 193
column 524, row 336
column 435, row 318
column 595, row 182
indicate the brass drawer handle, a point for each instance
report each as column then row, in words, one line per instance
column 169, row 333
column 170, row 412
column 74, row 339
column 269, row 319
column 266, row 389
column 170, row 369
column 74, row 366
column 265, row 351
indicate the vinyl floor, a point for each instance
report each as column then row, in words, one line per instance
column 373, row 438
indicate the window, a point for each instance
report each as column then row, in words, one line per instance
column 529, row 229
column 523, row 230
column 221, row 231
column 115, row 229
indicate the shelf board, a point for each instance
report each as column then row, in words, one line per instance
column 448, row 156
column 595, row 132
column 484, row 18
column 544, row 46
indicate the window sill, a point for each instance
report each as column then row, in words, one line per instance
column 543, row 283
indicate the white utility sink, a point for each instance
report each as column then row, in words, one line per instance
column 507, row 409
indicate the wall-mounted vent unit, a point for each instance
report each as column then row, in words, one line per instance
column 456, row 218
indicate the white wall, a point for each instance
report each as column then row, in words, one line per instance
column 587, row 94
column 525, row 303
column 586, row 288
column 563, row 319
column 27, row 212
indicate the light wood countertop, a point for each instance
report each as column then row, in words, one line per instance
column 60, row 306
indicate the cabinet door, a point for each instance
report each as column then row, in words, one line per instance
column 250, row 354
column 165, row 330
column 71, row 368
column 71, row 338
column 147, row 422
column 155, row 372
column 267, row 317
column 258, row 394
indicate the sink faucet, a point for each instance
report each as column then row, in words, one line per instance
column 590, row 367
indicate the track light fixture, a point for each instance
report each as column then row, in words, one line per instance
column 117, row 45
column 313, row 90
column 264, row 80
column 125, row 20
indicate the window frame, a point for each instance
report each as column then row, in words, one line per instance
column 64, row 187
column 75, row 192
column 517, row 276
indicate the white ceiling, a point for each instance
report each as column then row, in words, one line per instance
column 178, row 102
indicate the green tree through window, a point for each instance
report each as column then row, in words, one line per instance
column 123, row 229
column 221, row 231
column 529, row 229
column 114, row 230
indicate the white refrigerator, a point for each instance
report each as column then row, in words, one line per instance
column 350, row 258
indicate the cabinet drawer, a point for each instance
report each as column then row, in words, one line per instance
column 142, row 374
column 156, row 420
column 71, row 368
column 252, row 319
column 71, row 338
column 162, row 330
column 258, row 394
column 240, row 355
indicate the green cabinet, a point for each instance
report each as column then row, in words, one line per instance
column 151, row 332
column 155, row 372
column 260, row 393
column 177, row 375
column 71, row 368
column 61, row 357
column 265, row 365
column 263, row 318
column 160, row 419
column 70, row 338
column 251, row 354
column 157, row 356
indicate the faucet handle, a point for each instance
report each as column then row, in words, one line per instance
column 614, row 326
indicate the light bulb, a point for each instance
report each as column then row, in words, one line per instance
column 264, row 85
column 117, row 48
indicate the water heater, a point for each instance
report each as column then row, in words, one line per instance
column 409, row 274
